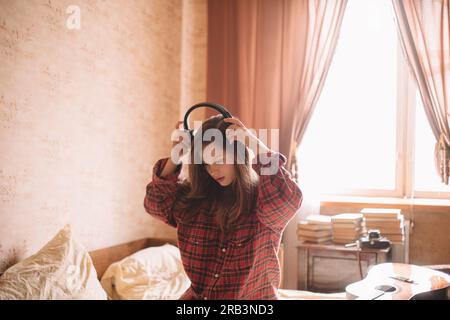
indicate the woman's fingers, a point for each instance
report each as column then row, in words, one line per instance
column 180, row 136
column 235, row 132
column 232, row 127
column 235, row 124
column 232, row 120
column 177, row 126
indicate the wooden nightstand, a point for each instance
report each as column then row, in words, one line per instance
column 331, row 267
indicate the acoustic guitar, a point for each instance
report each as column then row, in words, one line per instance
column 398, row 281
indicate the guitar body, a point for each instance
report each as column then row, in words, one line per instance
column 398, row 281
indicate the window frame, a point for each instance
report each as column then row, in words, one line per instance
column 405, row 143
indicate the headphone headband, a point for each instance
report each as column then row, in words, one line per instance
column 218, row 107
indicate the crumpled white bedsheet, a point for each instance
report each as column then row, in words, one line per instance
column 154, row 273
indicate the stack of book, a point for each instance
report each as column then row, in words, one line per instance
column 347, row 227
column 316, row 228
column 389, row 222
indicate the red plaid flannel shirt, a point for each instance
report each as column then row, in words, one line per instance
column 244, row 263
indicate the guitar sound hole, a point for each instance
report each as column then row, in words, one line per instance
column 386, row 288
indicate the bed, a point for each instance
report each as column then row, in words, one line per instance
column 105, row 257
column 144, row 269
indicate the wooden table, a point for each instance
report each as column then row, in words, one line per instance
column 330, row 267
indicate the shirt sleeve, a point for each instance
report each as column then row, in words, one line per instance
column 161, row 193
column 279, row 197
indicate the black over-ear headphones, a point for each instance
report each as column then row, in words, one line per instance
column 218, row 107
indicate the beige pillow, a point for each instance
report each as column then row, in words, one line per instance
column 154, row 273
column 62, row 269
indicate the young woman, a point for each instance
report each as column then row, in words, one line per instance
column 229, row 216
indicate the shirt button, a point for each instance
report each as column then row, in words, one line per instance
column 223, row 249
column 205, row 298
column 216, row 275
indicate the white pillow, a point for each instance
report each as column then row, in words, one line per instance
column 62, row 269
column 154, row 273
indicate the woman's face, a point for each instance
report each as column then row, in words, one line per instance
column 217, row 167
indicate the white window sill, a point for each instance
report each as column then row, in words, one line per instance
column 352, row 200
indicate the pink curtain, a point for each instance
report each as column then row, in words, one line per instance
column 268, row 60
column 424, row 28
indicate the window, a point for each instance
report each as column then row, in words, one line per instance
column 359, row 138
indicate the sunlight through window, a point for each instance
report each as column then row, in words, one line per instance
column 350, row 143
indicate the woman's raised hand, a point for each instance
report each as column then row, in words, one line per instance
column 180, row 143
column 238, row 131
column 180, row 137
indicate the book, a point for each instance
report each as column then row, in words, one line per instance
column 384, row 230
column 319, row 219
column 347, row 218
column 314, row 240
column 348, row 226
column 322, row 233
column 392, row 223
column 381, row 213
column 347, row 233
column 305, row 225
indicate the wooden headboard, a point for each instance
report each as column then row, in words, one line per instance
column 103, row 258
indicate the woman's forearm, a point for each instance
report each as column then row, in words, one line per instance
column 245, row 136
column 169, row 168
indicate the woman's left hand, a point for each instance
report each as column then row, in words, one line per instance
column 237, row 131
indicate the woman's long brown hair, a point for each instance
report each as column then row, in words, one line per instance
column 226, row 203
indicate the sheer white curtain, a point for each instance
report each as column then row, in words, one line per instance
column 424, row 28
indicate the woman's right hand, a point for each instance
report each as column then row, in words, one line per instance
column 177, row 129
column 180, row 143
